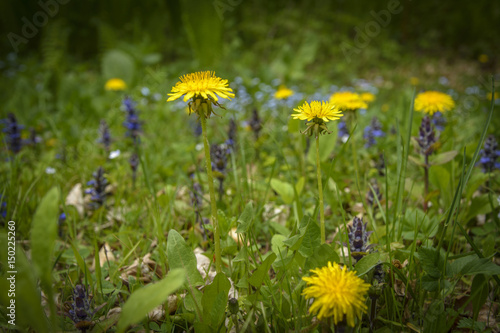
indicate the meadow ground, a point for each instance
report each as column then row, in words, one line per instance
column 286, row 192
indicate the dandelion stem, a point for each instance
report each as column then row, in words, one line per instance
column 213, row 203
column 426, row 182
column 320, row 189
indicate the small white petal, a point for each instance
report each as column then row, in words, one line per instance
column 50, row 171
column 114, row 154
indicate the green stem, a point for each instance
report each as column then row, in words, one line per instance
column 426, row 182
column 213, row 203
column 320, row 189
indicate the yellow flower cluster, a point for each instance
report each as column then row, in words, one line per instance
column 204, row 84
column 348, row 101
column 431, row 102
column 336, row 293
column 283, row 93
column 317, row 110
column 115, row 84
column 367, row 97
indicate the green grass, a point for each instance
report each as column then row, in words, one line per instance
column 441, row 267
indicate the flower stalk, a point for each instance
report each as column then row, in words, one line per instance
column 213, row 203
column 426, row 141
column 202, row 90
column 317, row 114
column 320, row 190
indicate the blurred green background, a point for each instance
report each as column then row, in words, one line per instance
column 288, row 37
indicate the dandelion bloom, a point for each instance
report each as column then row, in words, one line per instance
column 336, row 292
column 317, row 110
column 496, row 96
column 367, row 97
column 431, row 102
column 115, row 84
column 283, row 92
column 483, row 58
column 347, row 100
column 202, row 84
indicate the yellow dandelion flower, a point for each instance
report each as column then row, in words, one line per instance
column 483, row 58
column 336, row 293
column 367, row 97
column 414, row 81
column 431, row 102
column 204, row 84
column 496, row 96
column 283, row 93
column 317, row 110
column 115, row 84
column 346, row 100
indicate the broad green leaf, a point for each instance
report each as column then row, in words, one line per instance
column 435, row 319
column 242, row 255
column 29, row 311
column 430, row 283
column 327, row 144
column 294, row 242
column 479, row 293
column 279, row 228
column 192, row 301
column 475, row 181
column 300, row 185
column 321, row 256
column 224, row 223
column 214, row 300
column 416, row 220
column 277, row 245
column 443, row 158
column 201, row 327
column 458, row 264
column 285, row 190
column 440, row 178
column 262, row 271
column 180, row 255
column 480, row 205
column 471, row 324
column 44, row 235
column 293, row 125
column 431, row 261
column 118, row 64
column 142, row 301
column 367, row 263
column 245, row 219
column 480, row 266
column 311, row 239
column 416, row 160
